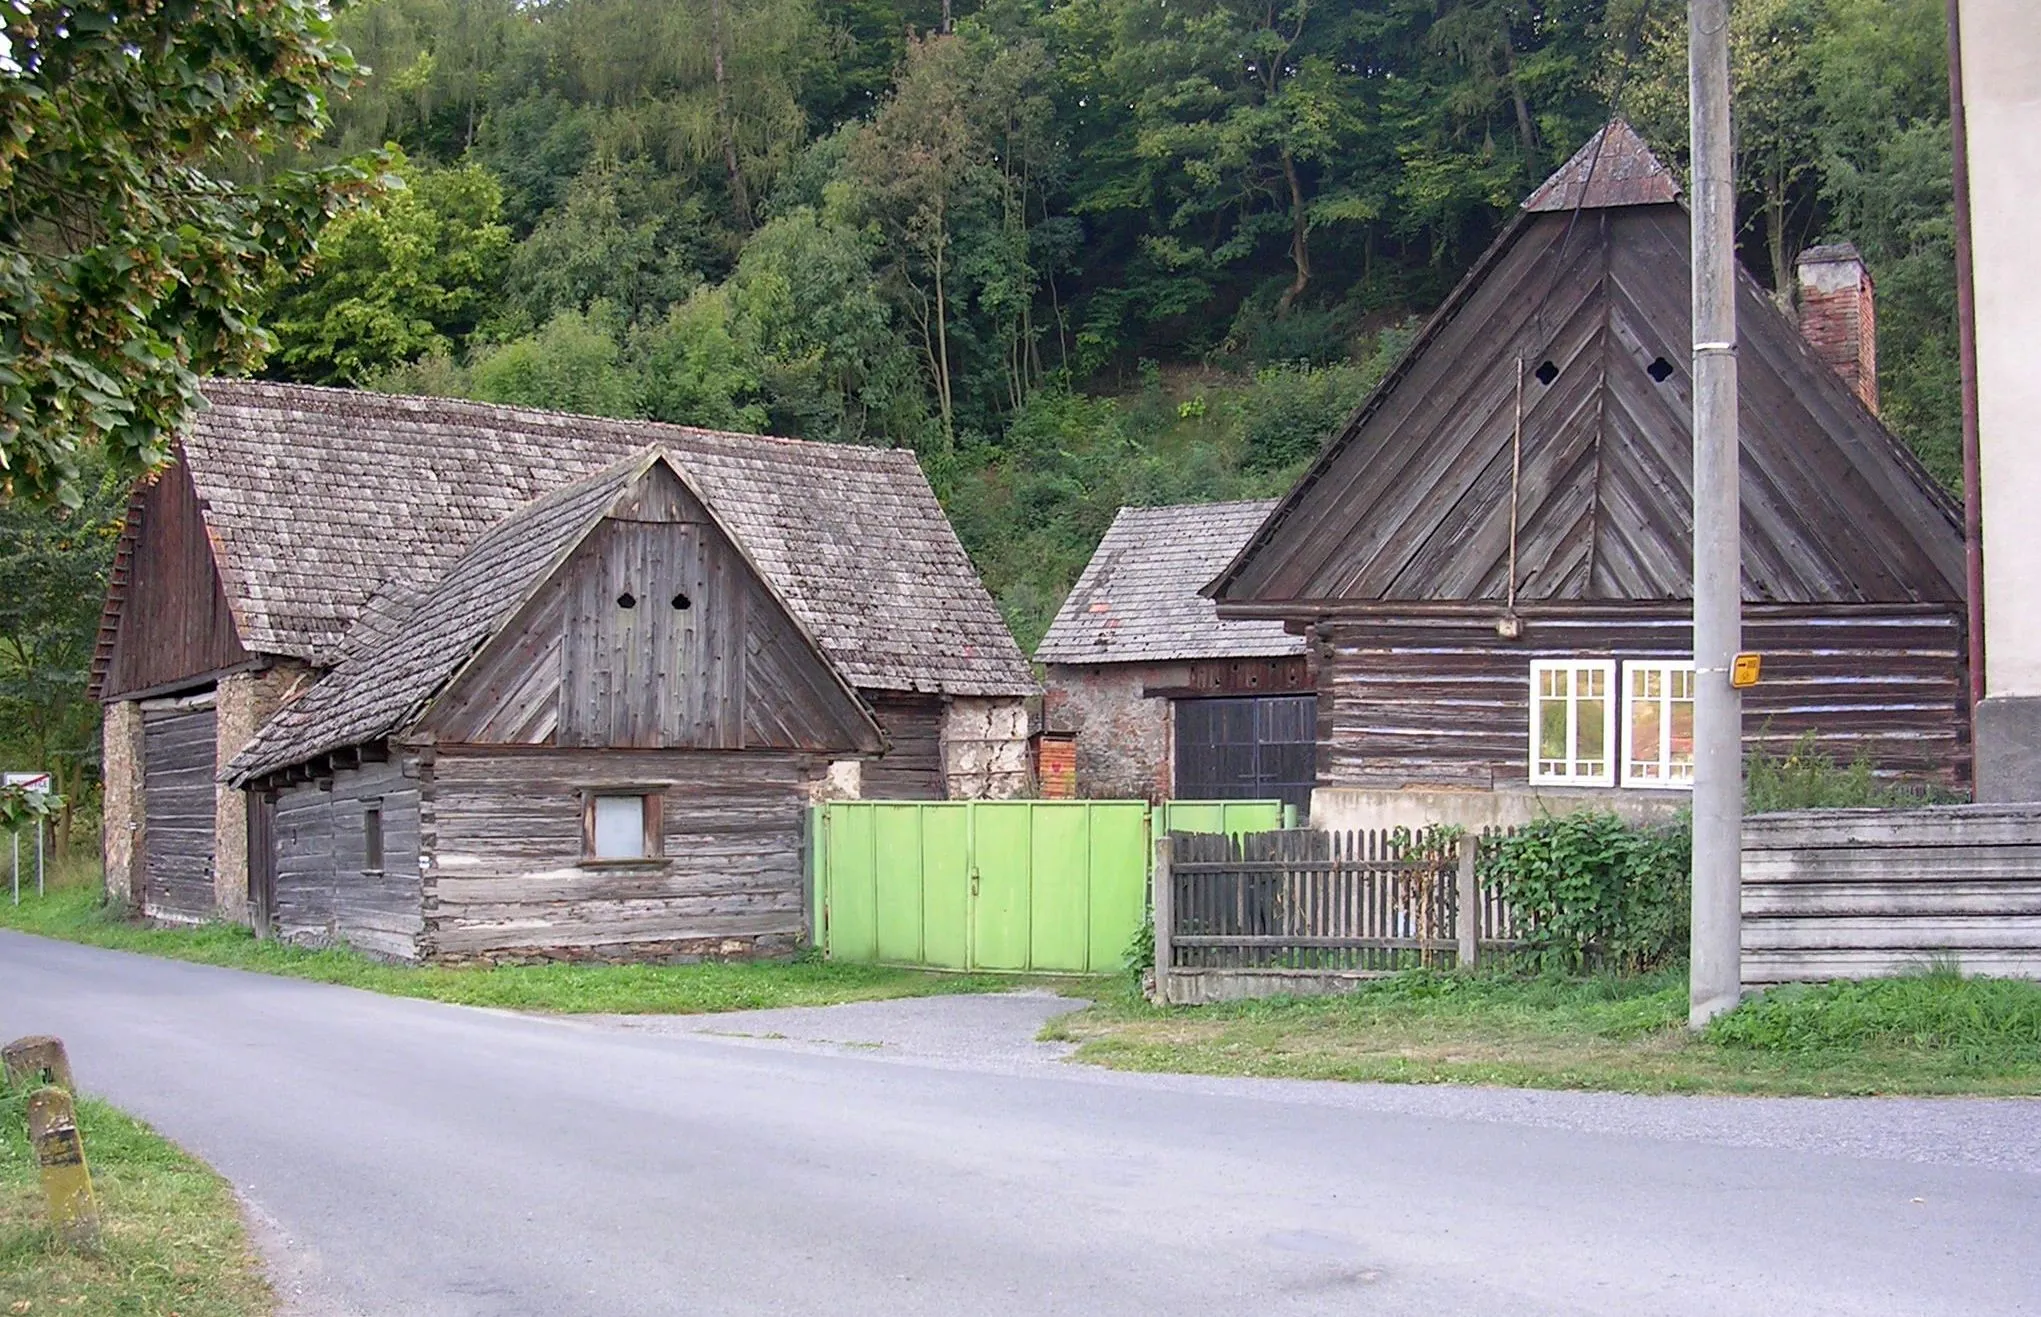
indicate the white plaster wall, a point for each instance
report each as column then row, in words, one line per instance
column 2002, row 99
column 1343, row 809
column 985, row 749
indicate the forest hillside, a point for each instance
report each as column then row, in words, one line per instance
column 1074, row 253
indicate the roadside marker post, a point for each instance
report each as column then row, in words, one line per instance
column 67, row 1182
column 36, row 1060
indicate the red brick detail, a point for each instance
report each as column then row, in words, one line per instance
column 1838, row 317
column 1056, row 765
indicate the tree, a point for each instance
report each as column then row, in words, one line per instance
column 131, row 258
column 573, row 364
column 53, row 568
column 399, row 280
column 920, row 167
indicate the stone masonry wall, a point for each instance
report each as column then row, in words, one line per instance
column 985, row 749
column 121, row 746
column 1123, row 738
column 246, row 701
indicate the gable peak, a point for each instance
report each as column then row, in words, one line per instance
column 1615, row 168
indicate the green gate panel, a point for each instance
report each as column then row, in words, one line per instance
column 1121, row 856
column 1229, row 816
column 852, row 871
column 946, row 886
column 896, row 844
column 1002, row 858
column 1059, row 904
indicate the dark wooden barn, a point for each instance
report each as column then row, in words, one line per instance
column 1161, row 698
column 302, row 532
column 1493, row 560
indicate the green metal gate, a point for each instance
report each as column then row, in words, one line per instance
column 1043, row 885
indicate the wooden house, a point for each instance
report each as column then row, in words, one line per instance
column 1162, row 698
column 1493, row 560
column 358, row 644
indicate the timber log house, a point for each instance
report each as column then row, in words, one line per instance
column 1493, row 560
column 451, row 681
column 1158, row 695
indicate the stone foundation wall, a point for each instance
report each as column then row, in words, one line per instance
column 246, row 701
column 985, row 749
column 121, row 834
column 1124, row 740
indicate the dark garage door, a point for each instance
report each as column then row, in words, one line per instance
column 1259, row 747
column 177, row 812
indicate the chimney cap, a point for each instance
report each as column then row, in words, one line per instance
column 1831, row 253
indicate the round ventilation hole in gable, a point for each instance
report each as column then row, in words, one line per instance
column 1546, row 373
column 682, row 603
column 1659, row 370
column 627, row 600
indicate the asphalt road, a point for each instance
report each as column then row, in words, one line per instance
column 410, row 1158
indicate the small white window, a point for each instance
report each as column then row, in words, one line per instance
column 621, row 826
column 1658, row 724
column 1573, row 722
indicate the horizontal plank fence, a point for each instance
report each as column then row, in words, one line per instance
column 1305, row 912
column 1864, row 893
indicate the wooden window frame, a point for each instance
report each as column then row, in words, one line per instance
column 653, row 806
column 373, row 840
column 1610, row 749
column 1667, row 668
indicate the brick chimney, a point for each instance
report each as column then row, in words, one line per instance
column 1838, row 316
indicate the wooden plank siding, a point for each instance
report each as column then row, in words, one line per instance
column 175, row 626
column 508, row 879
column 179, row 743
column 913, row 768
column 1444, row 702
column 325, row 892
column 1863, row 893
column 653, row 634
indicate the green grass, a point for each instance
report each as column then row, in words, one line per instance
column 172, row 1240
column 73, row 912
column 1936, row 1033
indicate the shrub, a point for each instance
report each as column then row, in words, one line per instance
column 1593, row 892
column 1807, row 778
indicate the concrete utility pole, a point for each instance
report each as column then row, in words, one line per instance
column 1717, row 971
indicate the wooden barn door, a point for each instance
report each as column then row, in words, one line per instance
column 1258, row 747
column 179, row 741
column 262, row 862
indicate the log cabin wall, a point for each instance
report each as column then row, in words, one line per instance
column 326, row 891
column 1444, row 702
column 913, row 768
column 508, row 880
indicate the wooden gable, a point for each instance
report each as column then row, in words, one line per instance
column 167, row 622
column 655, row 633
column 1582, row 318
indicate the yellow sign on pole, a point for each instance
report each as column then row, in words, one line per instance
column 1743, row 670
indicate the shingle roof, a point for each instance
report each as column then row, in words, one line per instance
column 393, row 669
column 316, row 498
column 1615, row 168
column 1138, row 600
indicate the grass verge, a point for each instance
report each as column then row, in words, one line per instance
column 1933, row 1033
column 171, row 1231
column 74, row 913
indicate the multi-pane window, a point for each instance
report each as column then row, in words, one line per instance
column 1658, row 724
column 1573, row 722
column 620, row 825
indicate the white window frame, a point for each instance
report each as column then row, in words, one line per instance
column 1606, row 669
column 1667, row 778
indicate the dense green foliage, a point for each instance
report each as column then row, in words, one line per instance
column 1593, row 892
column 1074, row 252
column 130, row 256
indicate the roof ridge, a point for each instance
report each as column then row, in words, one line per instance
column 1615, row 167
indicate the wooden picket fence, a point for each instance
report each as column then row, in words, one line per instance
column 1305, row 911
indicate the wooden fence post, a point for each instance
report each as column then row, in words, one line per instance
column 1164, row 901
column 1468, row 916
column 35, row 1060
column 67, row 1184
